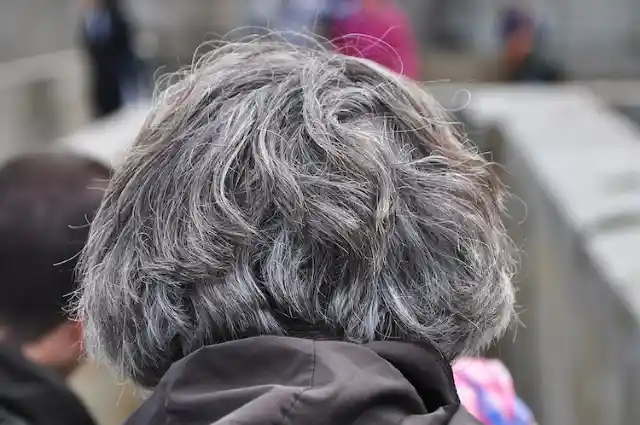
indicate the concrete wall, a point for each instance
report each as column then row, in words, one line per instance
column 108, row 140
column 624, row 96
column 181, row 26
column 35, row 27
column 571, row 162
column 41, row 98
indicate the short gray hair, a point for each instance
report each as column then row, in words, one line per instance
column 278, row 190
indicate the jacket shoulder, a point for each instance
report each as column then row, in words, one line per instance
column 9, row 418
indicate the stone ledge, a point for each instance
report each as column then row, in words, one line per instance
column 41, row 98
column 110, row 139
column 572, row 163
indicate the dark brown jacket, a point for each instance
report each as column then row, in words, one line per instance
column 277, row 380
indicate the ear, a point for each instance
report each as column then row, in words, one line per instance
column 71, row 347
column 69, row 341
column 61, row 349
column 76, row 335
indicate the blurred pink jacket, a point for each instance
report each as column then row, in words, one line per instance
column 381, row 33
column 486, row 389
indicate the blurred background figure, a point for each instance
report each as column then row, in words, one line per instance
column 486, row 389
column 378, row 30
column 46, row 201
column 523, row 56
column 108, row 41
column 297, row 21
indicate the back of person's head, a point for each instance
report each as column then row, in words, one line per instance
column 515, row 20
column 518, row 33
column 46, row 202
column 278, row 190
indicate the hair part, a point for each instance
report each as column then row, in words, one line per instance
column 277, row 188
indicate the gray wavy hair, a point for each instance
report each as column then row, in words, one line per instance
column 283, row 190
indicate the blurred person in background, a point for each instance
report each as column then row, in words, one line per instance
column 296, row 21
column 296, row 237
column 523, row 60
column 378, row 30
column 487, row 390
column 106, row 35
column 46, row 201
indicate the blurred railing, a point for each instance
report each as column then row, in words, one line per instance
column 41, row 98
column 572, row 164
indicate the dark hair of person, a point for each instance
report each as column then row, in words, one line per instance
column 46, row 203
column 514, row 20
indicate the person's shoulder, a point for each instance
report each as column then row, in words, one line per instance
column 9, row 418
column 547, row 69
